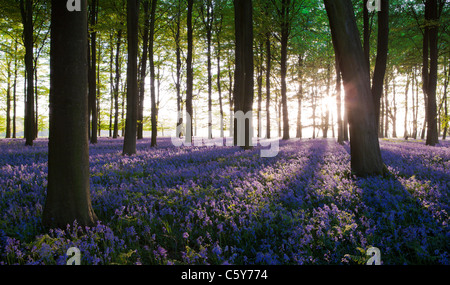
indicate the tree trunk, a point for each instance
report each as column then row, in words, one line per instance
column 259, row 70
column 26, row 9
column 431, row 45
column 300, row 97
column 143, row 73
column 116, row 87
column 178, row 80
column 364, row 147
column 129, row 144
column 339, row 103
column 285, row 27
column 394, row 112
column 219, row 89
column 189, row 74
column 366, row 34
column 111, row 84
column 14, row 92
column 405, row 126
column 8, row 100
column 447, row 77
column 92, row 55
column 243, row 88
column 68, row 195
column 381, row 60
column 268, row 70
column 154, row 111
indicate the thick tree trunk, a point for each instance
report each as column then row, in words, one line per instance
column 68, row 195
column 129, row 144
column 364, row 147
column 243, row 88
column 431, row 45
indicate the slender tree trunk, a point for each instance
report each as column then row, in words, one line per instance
column 382, row 53
column 219, row 89
column 111, row 84
column 92, row 55
column 447, row 78
column 116, row 87
column 386, row 108
column 268, row 70
column 68, row 195
column 366, row 33
column 36, row 110
column 394, row 112
column 300, row 97
column 339, row 103
column 8, row 99
column 178, row 80
column 27, row 20
column 129, row 144
column 143, row 72
column 189, row 74
column 285, row 27
column 14, row 92
column 154, row 120
column 364, row 147
column 405, row 133
column 259, row 70
column 414, row 104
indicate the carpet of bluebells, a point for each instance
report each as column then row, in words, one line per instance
column 224, row 205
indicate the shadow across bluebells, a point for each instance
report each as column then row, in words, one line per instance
column 409, row 206
column 224, row 205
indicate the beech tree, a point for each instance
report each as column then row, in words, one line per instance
column 68, row 196
column 364, row 146
column 243, row 76
column 129, row 144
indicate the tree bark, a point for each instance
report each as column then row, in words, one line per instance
column 300, row 97
column 244, row 83
column 431, row 45
column 154, row 111
column 116, row 87
column 129, row 144
column 8, row 100
column 285, row 30
column 339, row 103
column 26, row 9
column 364, row 147
column 92, row 55
column 381, row 60
column 268, row 70
column 189, row 75
column 68, row 195
column 143, row 73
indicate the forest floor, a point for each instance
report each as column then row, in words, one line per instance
column 223, row 205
